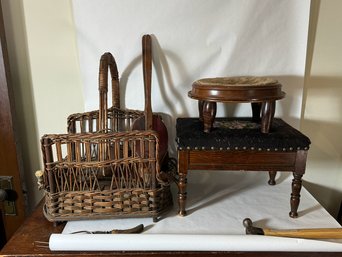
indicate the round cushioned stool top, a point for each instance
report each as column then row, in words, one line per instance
column 237, row 81
column 236, row 89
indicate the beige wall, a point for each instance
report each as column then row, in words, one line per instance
column 45, row 72
column 322, row 120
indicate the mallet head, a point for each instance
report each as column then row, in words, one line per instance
column 250, row 230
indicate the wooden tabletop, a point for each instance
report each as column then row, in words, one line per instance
column 37, row 228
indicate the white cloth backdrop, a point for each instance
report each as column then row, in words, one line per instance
column 193, row 39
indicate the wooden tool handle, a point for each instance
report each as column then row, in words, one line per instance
column 311, row 233
column 315, row 233
column 136, row 230
column 147, row 71
column 151, row 121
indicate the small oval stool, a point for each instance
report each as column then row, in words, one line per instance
column 261, row 92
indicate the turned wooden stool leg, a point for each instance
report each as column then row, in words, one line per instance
column 267, row 114
column 295, row 195
column 182, row 181
column 209, row 113
column 298, row 173
column 272, row 175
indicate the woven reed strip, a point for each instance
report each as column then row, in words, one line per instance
column 86, row 203
column 114, row 114
column 69, row 139
column 108, row 61
column 114, row 136
column 126, row 174
column 107, row 202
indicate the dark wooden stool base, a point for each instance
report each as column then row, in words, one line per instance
column 284, row 149
column 242, row 160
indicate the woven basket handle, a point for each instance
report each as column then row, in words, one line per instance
column 107, row 61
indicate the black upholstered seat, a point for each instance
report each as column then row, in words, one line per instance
column 239, row 134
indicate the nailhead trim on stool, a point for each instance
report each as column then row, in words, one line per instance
column 282, row 137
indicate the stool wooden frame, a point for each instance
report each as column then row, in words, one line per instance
column 242, row 160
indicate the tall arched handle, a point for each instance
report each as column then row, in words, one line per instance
column 107, row 61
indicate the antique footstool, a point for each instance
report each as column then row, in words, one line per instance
column 239, row 144
column 261, row 92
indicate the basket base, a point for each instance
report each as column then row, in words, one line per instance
column 69, row 206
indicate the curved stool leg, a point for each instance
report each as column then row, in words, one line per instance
column 209, row 113
column 267, row 114
column 200, row 109
column 256, row 110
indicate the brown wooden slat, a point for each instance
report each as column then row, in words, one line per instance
column 245, row 158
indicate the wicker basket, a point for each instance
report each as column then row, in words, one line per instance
column 102, row 169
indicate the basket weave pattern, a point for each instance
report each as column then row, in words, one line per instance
column 102, row 168
column 88, row 122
